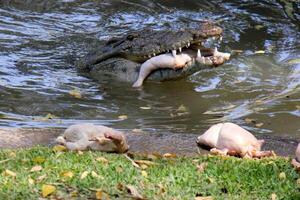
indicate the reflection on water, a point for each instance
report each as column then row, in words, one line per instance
column 40, row 40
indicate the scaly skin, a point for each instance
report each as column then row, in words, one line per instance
column 122, row 57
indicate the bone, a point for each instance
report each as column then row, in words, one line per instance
column 174, row 53
column 231, row 139
column 161, row 61
column 88, row 136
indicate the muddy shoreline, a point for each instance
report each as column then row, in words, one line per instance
column 140, row 142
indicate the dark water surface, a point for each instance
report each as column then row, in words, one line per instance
column 39, row 41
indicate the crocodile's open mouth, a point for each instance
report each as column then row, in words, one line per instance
column 197, row 48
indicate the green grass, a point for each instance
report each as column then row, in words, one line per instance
column 171, row 178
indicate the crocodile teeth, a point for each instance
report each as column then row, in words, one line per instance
column 174, row 53
column 199, row 53
column 180, row 49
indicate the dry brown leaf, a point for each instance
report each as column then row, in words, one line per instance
column 102, row 195
column 145, row 162
column 47, row 190
column 36, row 168
column 201, row 167
column 59, row 148
column 133, row 192
column 102, row 159
column 8, row 172
column 67, row 174
column 123, row 117
column 204, row 198
column 84, row 174
column 169, row 155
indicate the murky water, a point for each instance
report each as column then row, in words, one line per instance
column 39, row 41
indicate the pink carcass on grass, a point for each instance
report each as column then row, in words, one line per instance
column 296, row 161
column 231, row 139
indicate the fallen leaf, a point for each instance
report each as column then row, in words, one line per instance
column 144, row 174
column 8, row 172
column 79, row 152
column 282, row 176
column 84, row 174
column 49, row 116
column 36, row 168
column 259, row 52
column 102, row 159
column 204, row 198
column 12, row 154
column 273, row 196
column 40, row 178
column 119, row 169
column 145, row 107
column 133, row 192
column 169, row 155
column 249, row 120
column 95, row 175
column 201, row 167
column 67, row 174
column 145, row 162
column 30, row 181
column 59, row 148
column 102, row 195
column 123, row 117
column 76, row 93
column 47, row 190
column 39, row 159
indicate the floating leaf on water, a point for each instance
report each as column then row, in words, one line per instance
column 8, row 172
column 59, row 148
column 76, row 93
column 84, row 174
column 260, row 52
column 123, row 117
column 298, row 107
column 49, row 116
column 47, row 190
column 258, row 27
column 258, row 125
column 182, row 108
column 36, row 168
column 145, row 107
column 294, row 61
column 249, row 120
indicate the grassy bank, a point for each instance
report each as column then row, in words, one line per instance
column 43, row 172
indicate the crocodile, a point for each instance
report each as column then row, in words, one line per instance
column 126, row 56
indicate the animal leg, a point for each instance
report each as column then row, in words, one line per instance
column 261, row 154
column 216, row 151
column 296, row 164
column 78, row 145
column 118, row 140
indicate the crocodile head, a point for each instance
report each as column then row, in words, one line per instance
column 142, row 45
